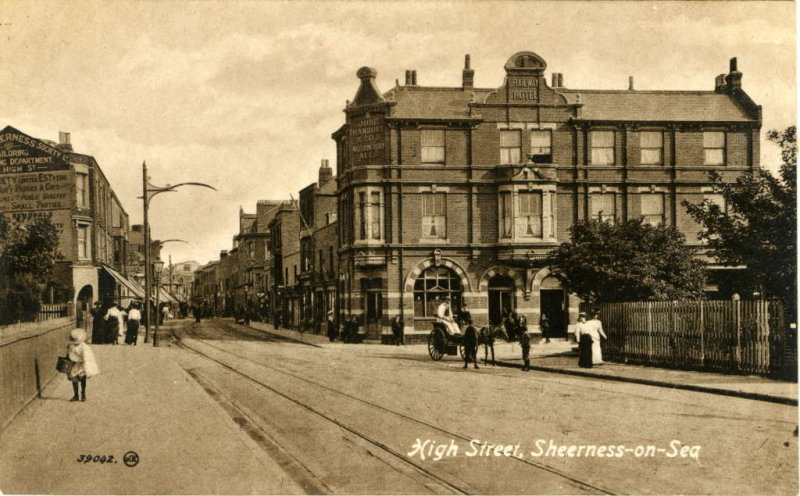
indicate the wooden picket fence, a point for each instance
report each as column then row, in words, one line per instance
column 725, row 336
column 52, row 311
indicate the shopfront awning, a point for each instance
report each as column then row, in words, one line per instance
column 132, row 287
column 164, row 296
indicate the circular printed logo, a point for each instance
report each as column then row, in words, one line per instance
column 131, row 459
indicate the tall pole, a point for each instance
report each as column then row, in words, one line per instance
column 146, row 229
column 158, row 310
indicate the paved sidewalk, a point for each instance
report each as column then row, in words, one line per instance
column 142, row 401
column 558, row 357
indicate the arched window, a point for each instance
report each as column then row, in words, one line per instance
column 432, row 285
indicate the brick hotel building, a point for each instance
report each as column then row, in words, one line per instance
column 463, row 191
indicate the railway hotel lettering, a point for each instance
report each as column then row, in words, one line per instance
column 523, row 88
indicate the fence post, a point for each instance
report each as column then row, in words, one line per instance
column 650, row 331
column 702, row 335
column 738, row 317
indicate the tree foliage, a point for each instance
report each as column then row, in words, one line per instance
column 629, row 261
column 28, row 253
column 759, row 228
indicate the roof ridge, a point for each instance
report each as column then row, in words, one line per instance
column 633, row 92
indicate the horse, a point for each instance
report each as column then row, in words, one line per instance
column 486, row 337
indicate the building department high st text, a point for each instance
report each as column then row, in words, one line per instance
column 461, row 192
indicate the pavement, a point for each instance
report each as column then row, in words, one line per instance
column 144, row 402
column 558, row 356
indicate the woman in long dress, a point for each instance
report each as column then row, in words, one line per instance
column 584, row 337
column 596, row 329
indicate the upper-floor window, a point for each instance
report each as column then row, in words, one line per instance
column 714, row 148
column 542, row 146
column 652, row 208
column 717, row 199
column 603, row 207
column 651, row 144
column 530, row 214
column 434, row 217
column 506, row 214
column 369, row 214
column 433, row 146
column 84, row 247
column 510, row 149
column 81, row 189
column 602, row 147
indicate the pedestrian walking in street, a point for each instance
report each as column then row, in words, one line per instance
column 332, row 331
column 525, row 344
column 134, row 320
column 584, row 338
column 114, row 323
column 98, row 324
column 83, row 365
column 544, row 324
column 198, row 311
column 596, row 329
column 397, row 329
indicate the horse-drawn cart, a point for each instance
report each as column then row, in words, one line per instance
column 442, row 342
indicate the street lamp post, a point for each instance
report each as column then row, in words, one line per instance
column 158, row 265
column 148, row 192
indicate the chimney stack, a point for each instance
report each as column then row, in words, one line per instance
column 719, row 84
column 555, row 80
column 64, row 141
column 408, row 78
column 325, row 172
column 467, row 75
column 734, row 79
column 560, row 80
column 630, row 83
column 414, row 78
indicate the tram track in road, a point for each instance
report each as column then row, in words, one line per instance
column 458, row 487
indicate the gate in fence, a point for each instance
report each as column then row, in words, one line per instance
column 727, row 336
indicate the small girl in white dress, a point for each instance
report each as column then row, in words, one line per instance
column 84, row 364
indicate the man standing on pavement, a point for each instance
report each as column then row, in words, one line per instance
column 397, row 330
column 544, row 323
column 525, row 344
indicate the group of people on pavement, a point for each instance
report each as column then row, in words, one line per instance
column 111, row 322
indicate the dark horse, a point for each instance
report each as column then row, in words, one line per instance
column 486, row 337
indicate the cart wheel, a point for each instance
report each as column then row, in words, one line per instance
column 435, row 345
column 461, row 350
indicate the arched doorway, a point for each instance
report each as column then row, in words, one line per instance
column 554, row 305
column 83, row 305
column 501, row 298
column 433, row 284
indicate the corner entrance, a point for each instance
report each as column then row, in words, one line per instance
column 501, row 298
column 553, row 300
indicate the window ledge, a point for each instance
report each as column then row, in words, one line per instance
column 443, row 241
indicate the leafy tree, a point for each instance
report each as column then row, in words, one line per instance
column 28, row 253
column 759, row 228
column 628, row 261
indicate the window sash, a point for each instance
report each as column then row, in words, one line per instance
column 652, row 208
column 713, row 139
column 602, row 147
column 362, row 213
column 510, row 148
column 433, row 154
column 603, row 206
column 529, row 223
column 541, row 142
column 714, row 156
column 507, row 213
column 375, row 214
column 716, row 199
column 652, row 147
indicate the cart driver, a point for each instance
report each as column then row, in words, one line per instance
column 445, row 316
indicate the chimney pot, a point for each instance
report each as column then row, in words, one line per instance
column 555, row 80
column 466, row 61
column 408, row 78
column 630, row 83
column 560, row 80
column 64, row 141
column 733, row 65
column 414, row 78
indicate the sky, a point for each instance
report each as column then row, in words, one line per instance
column 245, row 95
